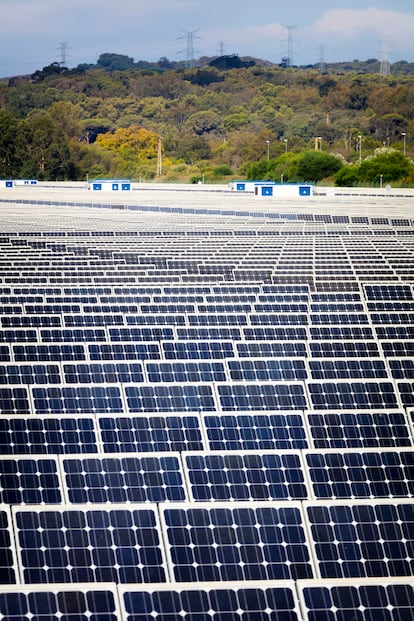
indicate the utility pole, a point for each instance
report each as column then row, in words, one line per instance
column 159, row 157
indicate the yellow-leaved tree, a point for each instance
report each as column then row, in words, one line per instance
column 134, row 147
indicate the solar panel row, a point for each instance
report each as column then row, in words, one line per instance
column 206, row 476
column 193, row 542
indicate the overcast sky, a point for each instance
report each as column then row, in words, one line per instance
column 35, row 33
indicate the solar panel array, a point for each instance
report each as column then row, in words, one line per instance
column 207, row 418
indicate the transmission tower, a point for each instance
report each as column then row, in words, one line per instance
column 322, row 63
column 289, row 57
column 63, row 48
column 190, row 36
column 385, row 64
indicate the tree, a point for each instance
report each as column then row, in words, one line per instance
column 316, row 165
column 130, row 143
column 390, row 165
column 9, row 139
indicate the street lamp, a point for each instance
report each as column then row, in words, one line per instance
column 286, row 144
column 268, row 149
column 381, row 181
column 360, row 147
column 404, row 135
column 318, row 143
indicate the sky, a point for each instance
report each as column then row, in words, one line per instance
column 36, row 33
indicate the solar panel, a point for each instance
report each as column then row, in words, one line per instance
column 362, row 538
column 237, row 541
column 77, row 399
column 268, row 369
column 150, row 433
column 258, row 430
column 123, row 351
column 344, row 368
column 210, row 350
column 89, row 543
column 362, row 599
column 368, row 473
column 105, row 372
column 30, row 374
column 370, row 428
column 272, row 600
column 233, row 476
column 271, row 349
column 262, row 396
column 8, row 560
column 29, row 480
column 14, row 401
column 29, row 435
column 80, row 602
column 124, row 478
column 344, row 394
column 48, row 352
column 170, row 398
column 204, row 371
column 343, row 349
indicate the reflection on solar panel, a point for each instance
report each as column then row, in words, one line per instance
column 358, row 429
column 362, row 538
column 238, row 541
column 271, row 601
column 247, row 431
column 90, row 543
column 110, row 478
column 27, row 480
column 362, row 474
column 78, row 602
column 364, row 599
column 150, row 433
column 245, row 476
column 47, row 435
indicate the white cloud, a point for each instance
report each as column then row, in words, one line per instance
column 357, row 27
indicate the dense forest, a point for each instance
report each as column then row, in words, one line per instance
column 224, row 118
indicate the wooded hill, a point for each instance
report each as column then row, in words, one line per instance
column 211, row 122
